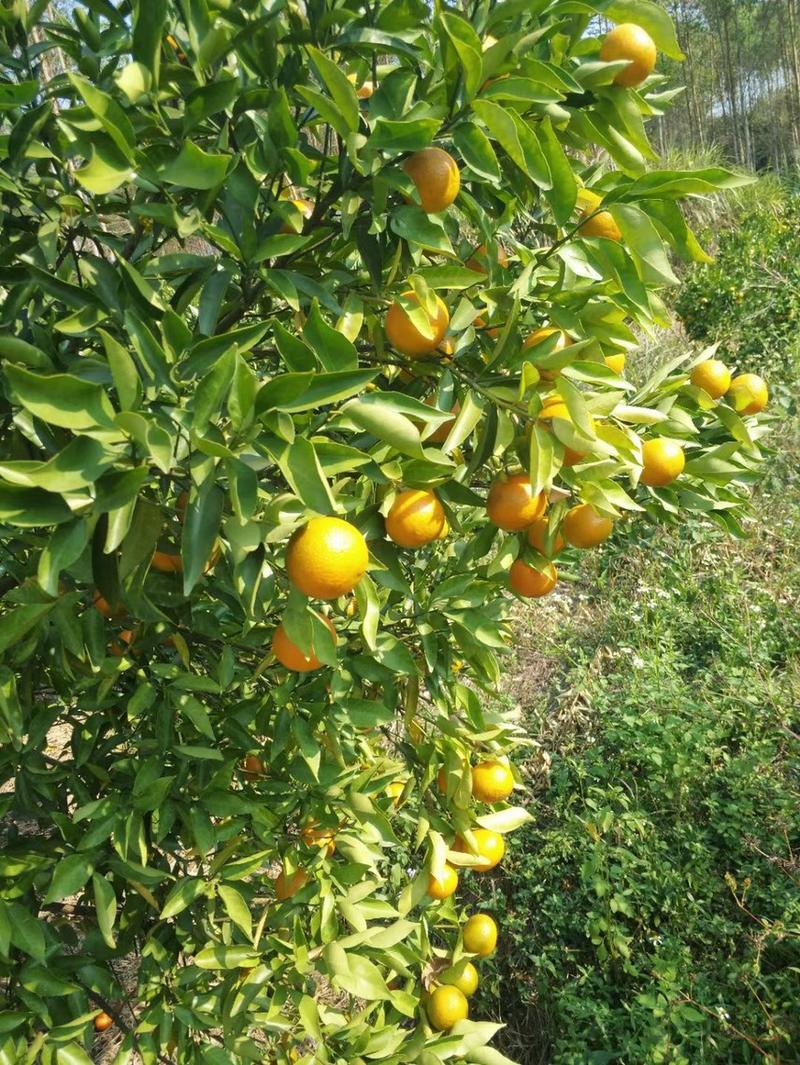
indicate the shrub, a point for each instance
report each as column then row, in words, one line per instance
column 222, row 736
column 749, row 298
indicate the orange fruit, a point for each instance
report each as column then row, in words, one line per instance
column 475, row 264
column 465, row 978
column 119, row 648
column 254, row 767
column 492, row 781
column 103, row 1022
column 539, row 335
column 101, row 604
column 415, row 518
column 363, row 92
column 403, row 335
column 529, row 581
column 438, row 436
column 287, row 886
column 436, row 176
column 446, row 1006
column 631, row 42
column 290, row 655
column 713, row 376
column 480, row 935
column 442, row 887
column 326, row 558
column 480, row 323
column 616, row 363
column 511, row 504
column 166, row 563
column 537, row 537
column 748, row 393
column 662, row 461
column 490, row 848
column 441, row 780
column 555, row 407
column 313, row 836
column 585, row 527
column 601, row 224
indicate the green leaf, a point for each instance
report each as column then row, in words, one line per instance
column 382, row 421
column 414, row 225
column 518, row 139
column 69, row 877
column 28, row 508
column 200, row 531
column 651, row 17
column 11, row 715
column 182, row 895
column 210, row 393
column 236, row 908
column 467, row 45
column 563, row 194
column 542, row 458
column 60, row 399
column 338, row 85
column 193, row 168
column 356, row 975
column 148, row 33
column 123, row 371
column 19, row 621
column 332, row 348
column 477, row 151
column 642, row 239
column 105, row 902
column 106, row 170
column 300, row 466
column 293, row 393
column 72, row 1054
column 403, row 135
column 217, row 956
column 16, row 95
column 64, row 547
column 111, row 116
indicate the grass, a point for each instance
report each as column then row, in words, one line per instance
column 651, row 913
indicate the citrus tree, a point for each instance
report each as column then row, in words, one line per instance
column 314, row 322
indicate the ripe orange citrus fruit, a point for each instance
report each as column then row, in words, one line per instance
column 103, row 1022
column 442, row 887
column 537, row 537
column 436, row 176
column 403, row 335
column 662, row 461
column 314, row 836
column 415, row 518
column 465, row 978
column 363, row 92
column 474, row 263
column 490, row 848
column 511, row 505
column 492, row 781
column 287, row 886
column 585, row 527
column 166, row 563
column 615, row 362
column 326, row 558
column 290, row 655
column 102, row 604
column 120, row 647
column 530, row 582
column 601, row 224
column 446, row 1006
column 564, row 340
column 631, row 42
column 480, row 935
column 254, row 767
column 713, row 376
column 748, row 393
